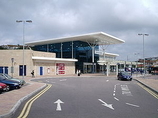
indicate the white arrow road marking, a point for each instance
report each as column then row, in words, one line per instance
column 58, row 102
column 105, row 104
column 132, row 105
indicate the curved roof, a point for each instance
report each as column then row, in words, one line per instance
column 99, row 38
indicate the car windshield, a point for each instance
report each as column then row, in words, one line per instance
column 5, row 75
column 2, row 77
column 125, row 73
column 8, row 76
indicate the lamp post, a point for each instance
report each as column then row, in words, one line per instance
column 23, row 21
column 143, row 51
column 136, row 54
column 12, row 68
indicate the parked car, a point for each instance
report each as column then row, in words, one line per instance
column 11, row 83
column 22, row 82
column 124, row 76
column 3, row 87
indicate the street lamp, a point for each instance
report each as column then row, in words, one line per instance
column 136, row 54
column 143, row 50
column 23, row 21
column 12, row 68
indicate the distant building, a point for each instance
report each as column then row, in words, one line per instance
column 12, row 47
column 152, row 61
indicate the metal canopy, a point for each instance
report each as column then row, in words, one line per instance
column 111, row 54
column 54, row 59
column 99, row 38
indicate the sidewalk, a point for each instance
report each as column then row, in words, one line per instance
column 151, row 81
column 11, row 100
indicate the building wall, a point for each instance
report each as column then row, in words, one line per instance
column 70, row 68
column 49, row 67
column 43, row 54
column 5, row 60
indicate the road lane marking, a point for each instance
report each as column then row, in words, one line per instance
column 116, row 98
column 114, row 92
column 47, row 80
column 115, row 87
column 59, row 102
column 149, row 91
column 28, row 105
column 132, row 105
column 125, row 90
column 105, row 104
column 63, row 80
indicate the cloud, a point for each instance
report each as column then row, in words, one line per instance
column 53, row 19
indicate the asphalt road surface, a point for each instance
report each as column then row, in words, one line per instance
column 91, row 97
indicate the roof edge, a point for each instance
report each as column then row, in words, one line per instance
column 54, row 59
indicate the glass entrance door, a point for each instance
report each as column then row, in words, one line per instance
column 88, row 67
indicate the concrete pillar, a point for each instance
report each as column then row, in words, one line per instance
column 108, row 69
column 116, row 69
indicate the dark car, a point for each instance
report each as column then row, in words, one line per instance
column 22, row 82
column 11, row 84
column 3, row 87
column 124, row 76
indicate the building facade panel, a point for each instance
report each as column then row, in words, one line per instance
column 13, row 59
column 12, row 63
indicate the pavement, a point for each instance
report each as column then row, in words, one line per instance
column 150, row 81
column 10, row 101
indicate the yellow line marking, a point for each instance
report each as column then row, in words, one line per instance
column 39, row 81
column 28, row 105
column 149, row 91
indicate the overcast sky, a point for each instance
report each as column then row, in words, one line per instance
column 60, row 18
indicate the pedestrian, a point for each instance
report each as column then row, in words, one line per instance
column 79, row 72
column 32, row 73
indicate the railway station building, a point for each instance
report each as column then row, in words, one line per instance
column 63, row 56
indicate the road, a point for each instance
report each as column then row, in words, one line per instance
column 92, row 97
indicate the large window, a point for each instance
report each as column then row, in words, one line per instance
column 73, row 49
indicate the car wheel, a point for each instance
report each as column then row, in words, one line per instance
column 0, row 91
column 19, row 86
column 131, row 79
column 8, row 88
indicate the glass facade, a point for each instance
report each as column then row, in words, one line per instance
column 73, row 49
